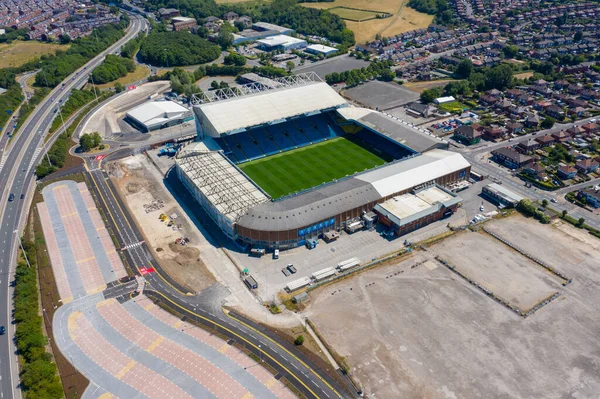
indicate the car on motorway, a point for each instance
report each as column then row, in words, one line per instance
column 22, row 196
column 553, row 200
column 11, row 197
column 2, row 330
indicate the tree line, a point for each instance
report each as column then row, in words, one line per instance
column 177, row 49
column 377, row 69
column 77, row 99
column 129, row 49
column 10, row 100
column 112, row 68
column 55, row 68
column 39, row 378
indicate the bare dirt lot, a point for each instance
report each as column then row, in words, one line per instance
column 498, row 268
column 137, row 180
column 417, row 330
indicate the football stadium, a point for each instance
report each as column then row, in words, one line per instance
column 281, row 162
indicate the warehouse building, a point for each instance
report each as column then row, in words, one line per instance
column 281, row 42
column 157, row 115
column 501, row 195
column 263, row 26
column 321, row 49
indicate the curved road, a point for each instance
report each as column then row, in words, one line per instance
column 17, row 177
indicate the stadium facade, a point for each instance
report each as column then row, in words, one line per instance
column 257, row 120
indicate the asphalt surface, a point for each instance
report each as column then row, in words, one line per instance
column 206, row 307
column 477, row 157
column 17, row 177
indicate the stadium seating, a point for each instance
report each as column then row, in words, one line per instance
column 280, row 138
column 264, row 142
column 248, row 147
column 308, row 129
column 388, row 146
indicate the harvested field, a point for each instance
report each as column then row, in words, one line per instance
column 415, row 329
column 420, row 86
column 403, row 19
column 139, row 184
column 19, row 52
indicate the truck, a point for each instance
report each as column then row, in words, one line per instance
column 251, row 282
column 258, row 252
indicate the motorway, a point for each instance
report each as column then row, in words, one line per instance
column 17, row 177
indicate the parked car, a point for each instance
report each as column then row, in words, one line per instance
column 285, row 271
column 276, row 254
column 291, row 268
column 2, row 330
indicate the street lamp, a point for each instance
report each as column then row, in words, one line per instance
column 94, row 86
column 22, row 249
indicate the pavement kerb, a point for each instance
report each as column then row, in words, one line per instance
column 226, row 312
column 250, row 343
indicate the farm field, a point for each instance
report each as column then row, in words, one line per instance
column 348, row 13
column 141, row 71
column 310, row 166
column 403, row 19
column 19, row 52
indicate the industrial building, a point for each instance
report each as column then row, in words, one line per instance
column 321, row 49
column 281, row 42
column 501, row 195
column 246, row 124
column 158, row 115
column 265, row 26
column 420, row 207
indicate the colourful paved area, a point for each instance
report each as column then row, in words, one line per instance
column 82, row 253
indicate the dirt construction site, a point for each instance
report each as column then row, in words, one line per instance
column 167, row 229
column 420, row 328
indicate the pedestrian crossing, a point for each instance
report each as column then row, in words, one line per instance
column 130, row 246
column 3, row 161
column 35, row 154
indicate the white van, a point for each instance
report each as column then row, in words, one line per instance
column 276, row 254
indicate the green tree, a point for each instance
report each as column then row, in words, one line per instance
column 580, row 222
column 177, row 49
column 234, row 59
column 428, row 95
column 88, row 141
column 299, row 340
column 578, row 36
column 544, row 203
column 548, row 122
column 387, row 75
column 225, row 36
column 510, row 51
column 499, row 77
column 119, row 87
column 289, row 66
column 464, row 69
column 564, row 213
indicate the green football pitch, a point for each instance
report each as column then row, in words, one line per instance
column 306, row 167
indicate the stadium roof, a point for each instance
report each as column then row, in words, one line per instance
column 229, row 191
column 156, row 112
column 400, row 131
column 404, row 175
column 314, row 206
column 238, row 113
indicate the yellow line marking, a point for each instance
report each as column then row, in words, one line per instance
column 265, row 354
column 154, row 344
column 271, row 382
column 69, row 215
column 126, row 369
column 282, row 348
column 126, row 221
column 149, row 306
column 106, row 395
column 67, row 300
column 224, row 348
column 248, row 395
column 72, row 322
column 86, row 259
column 178, row 324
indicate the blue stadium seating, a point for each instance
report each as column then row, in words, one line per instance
column 278, row 135
column 388, row 146
column 264, row 142
column 272, row 139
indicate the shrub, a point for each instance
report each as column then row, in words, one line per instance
column 299, row 340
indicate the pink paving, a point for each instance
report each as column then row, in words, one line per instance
column 105, row 355
column 80, row 246
column 62, row 282
column 107, row 243
column 260, row 373
column 221, row 384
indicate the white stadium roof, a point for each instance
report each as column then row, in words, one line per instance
column 238, row 113
column 404, row 175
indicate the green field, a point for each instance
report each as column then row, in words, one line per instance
column 310, row 166
column 353, row 14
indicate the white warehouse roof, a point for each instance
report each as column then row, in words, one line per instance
column 321, row 48
column 222, row 117
column 157, row 112
column 280, row 40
